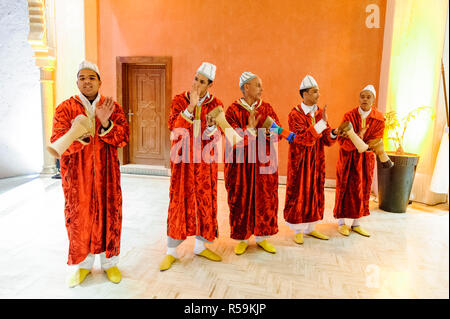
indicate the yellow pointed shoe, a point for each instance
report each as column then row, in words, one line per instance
column 78, row 277
column 210, row 255
column 298, row 238
column 360, row 231
column 167, row 262
column 240, row 248
column 114, row 274
column 316, row 234
column 344, row 230
column 267, row 246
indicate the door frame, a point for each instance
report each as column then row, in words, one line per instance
column 122, row 66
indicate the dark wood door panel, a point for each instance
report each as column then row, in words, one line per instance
column 147, row 114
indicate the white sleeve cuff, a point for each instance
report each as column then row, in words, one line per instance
column 333, row 136
column 320, row 126
column 211, row 130
column 188, row 114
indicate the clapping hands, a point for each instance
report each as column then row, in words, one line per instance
column 103, row 111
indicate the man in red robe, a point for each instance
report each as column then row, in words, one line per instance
column 90, row 175
column 193, row 180
column 354, row 170
column 305, row 198
column 251, row 168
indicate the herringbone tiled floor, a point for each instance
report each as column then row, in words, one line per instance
column 406, row 256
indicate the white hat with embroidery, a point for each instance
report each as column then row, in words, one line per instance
column 245, row 77
column 370, row 88
column 208, row 70
column 89, row 65
column 308, row 82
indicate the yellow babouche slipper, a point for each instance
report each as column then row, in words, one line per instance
column 344, row 230
column 240, row 248
column 167, row 262
column 267, row 246
column 114, row 274
column 316, row 234
column 78, row 277
column 298, row 238
column 210, row 255
column 360, row 231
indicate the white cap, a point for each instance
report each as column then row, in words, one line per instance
column 208, row 70
column 245, row 77
column 89, row 65
column 308, row 82
column 371, row 89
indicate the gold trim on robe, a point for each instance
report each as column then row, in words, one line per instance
column 111, row 125
column 197, row 113
column 363, row 122
column 313, row 120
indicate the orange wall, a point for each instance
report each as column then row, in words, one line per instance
column 280, row 40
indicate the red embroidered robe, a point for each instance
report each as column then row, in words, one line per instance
column 90, row 175
column 193, row 180
column 354, row 171
column 251, row 176
column 305, row 198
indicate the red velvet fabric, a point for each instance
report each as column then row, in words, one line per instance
column 305, row 199
column 193, row 185
column 354, row 171
column 90, row 177
column 252, row 196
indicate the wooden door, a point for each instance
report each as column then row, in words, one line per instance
column 147, row 114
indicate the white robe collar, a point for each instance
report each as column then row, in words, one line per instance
column 201, row 100
column 246, row 104
column 309, row 109
column 90, row 108
column 364, row 114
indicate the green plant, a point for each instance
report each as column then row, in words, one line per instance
column 395, row 128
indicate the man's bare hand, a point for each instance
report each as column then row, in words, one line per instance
column 194, row 96
column 324, row 114
column 210, row 121
column 253, row 120
column 104, row 111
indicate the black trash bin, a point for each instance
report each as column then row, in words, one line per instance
column 395, row 183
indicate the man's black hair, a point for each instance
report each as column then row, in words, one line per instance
column 303, row 90
column 98, row 76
